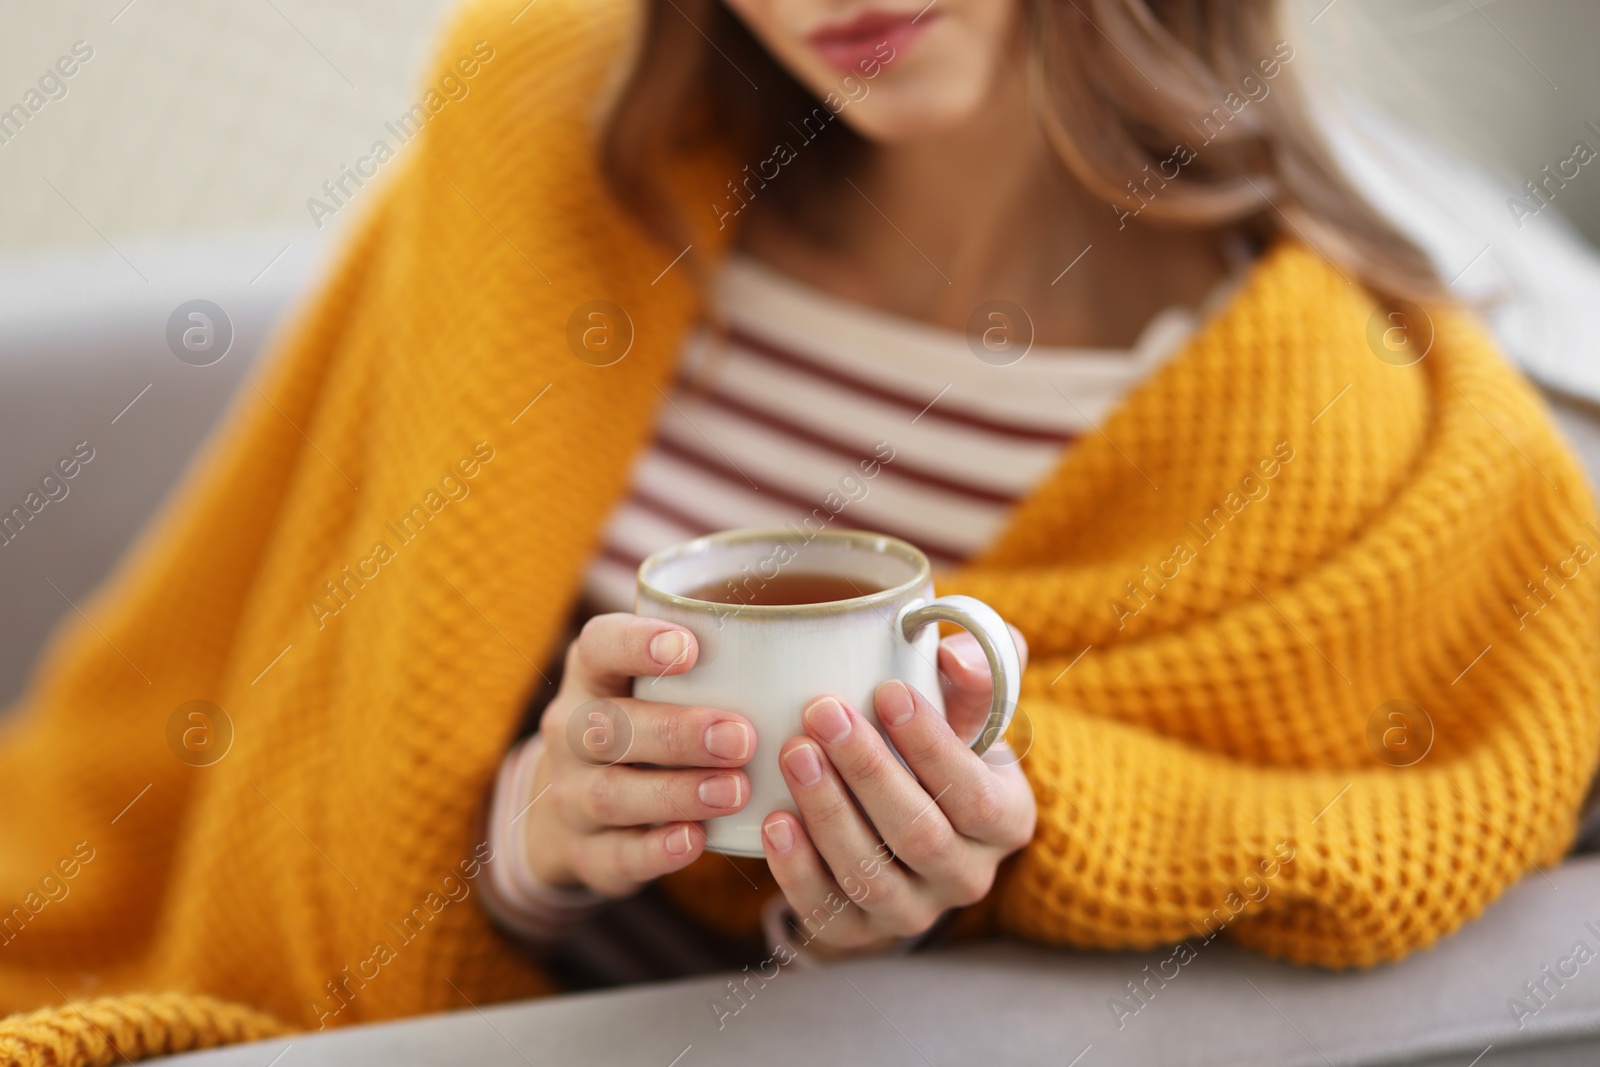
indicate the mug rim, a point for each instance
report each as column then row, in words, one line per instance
column 884, row 544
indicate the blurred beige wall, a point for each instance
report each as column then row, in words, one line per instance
column 205, row 116
column 196, row 116
column 1510, row 83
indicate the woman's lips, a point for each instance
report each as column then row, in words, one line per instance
column 872, row 36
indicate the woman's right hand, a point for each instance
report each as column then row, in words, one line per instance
column 599, row 817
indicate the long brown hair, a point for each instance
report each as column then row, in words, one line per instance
column 1178, row 112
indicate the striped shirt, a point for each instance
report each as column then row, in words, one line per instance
column 780, row 420
column 772, row 424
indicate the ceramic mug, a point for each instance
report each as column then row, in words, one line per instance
column 768, row 661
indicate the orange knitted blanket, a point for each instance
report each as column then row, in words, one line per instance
column 1315, row 638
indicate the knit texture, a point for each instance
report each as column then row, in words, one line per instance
column 377, row 554
column 109, row 1030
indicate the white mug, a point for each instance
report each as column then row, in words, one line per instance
column 768, row 661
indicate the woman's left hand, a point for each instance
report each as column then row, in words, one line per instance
column 937, row 832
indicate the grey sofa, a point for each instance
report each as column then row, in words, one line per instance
column 1025, row 1005
column 71, row 367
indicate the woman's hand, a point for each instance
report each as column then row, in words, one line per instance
column 595, row 827
column 937, row 832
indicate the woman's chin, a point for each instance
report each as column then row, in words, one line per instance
column 911, row 113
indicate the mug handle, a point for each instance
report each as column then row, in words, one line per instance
column 994, row 637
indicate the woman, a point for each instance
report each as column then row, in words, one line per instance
column 1300, row 564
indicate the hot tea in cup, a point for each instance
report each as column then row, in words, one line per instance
column 783, row 616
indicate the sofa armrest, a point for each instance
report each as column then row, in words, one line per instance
column 1009, row 1003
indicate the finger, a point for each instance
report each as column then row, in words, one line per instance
column 860, row 862
column 968, row 698
column 962, row 661
column 613, row 649
column 963, row 664
column 634, row 796
column 906, row 816
column 617, row 862
column 822, row 909
column 979, row 802
column 625, row 730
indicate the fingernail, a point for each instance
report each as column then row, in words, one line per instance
column 668, row 646
column 827, row 718
column 803, row 764
column 678, row 841
column 728, row 740
column 780, row 835
column 967, row 655
column 722, row 791
column 894, row 703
